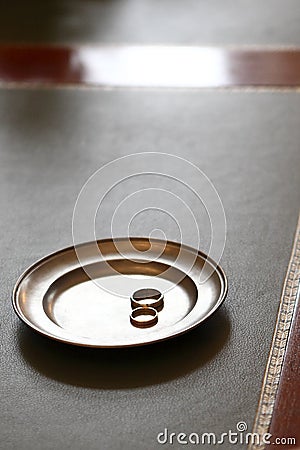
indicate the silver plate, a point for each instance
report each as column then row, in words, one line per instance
column 57, row 298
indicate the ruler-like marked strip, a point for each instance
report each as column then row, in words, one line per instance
column 274, row 366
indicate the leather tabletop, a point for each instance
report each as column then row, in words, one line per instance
column 55, row 396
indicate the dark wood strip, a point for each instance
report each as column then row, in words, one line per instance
column 285, row 422
column 278, row 410
column 149, row 66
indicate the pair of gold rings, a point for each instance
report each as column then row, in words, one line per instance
column 146, row 303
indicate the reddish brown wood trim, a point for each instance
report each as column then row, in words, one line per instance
column 278, row 409
column 148, row 66
column 286, row 416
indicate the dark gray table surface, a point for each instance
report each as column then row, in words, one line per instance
column 56, row 397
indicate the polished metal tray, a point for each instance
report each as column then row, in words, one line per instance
column 87, row 303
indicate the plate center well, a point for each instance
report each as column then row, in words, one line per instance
column 91, row 308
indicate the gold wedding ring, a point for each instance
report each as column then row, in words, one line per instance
column 147, row 298
column 143, row 317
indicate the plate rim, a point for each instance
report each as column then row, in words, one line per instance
column 40, row 261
